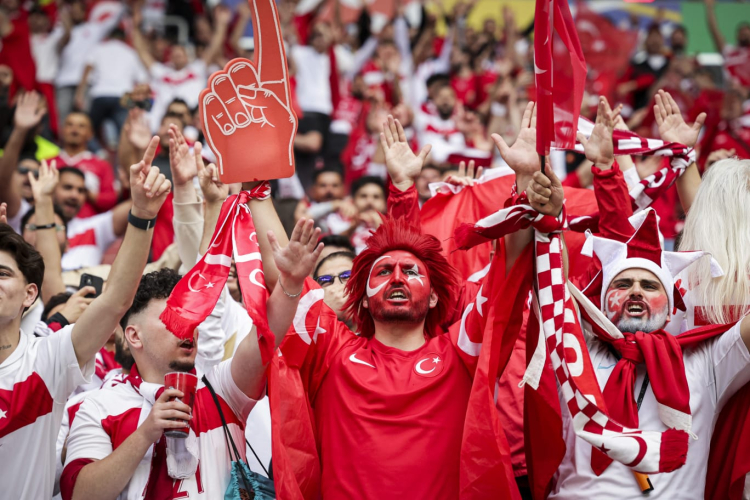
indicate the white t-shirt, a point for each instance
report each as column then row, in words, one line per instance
column 108, row 416
column 46, row 57
column 88, row 239
column 313, row 79
column 35, row 382
column 83, row 38
column 715, row 370
column 116, row 69
column 15, row 221
column 168, row 83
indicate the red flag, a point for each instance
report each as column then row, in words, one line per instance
column 559, row 84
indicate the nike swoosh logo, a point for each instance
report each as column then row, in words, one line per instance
column 353, row 359
column 600, row 367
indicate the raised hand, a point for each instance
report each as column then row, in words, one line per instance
column 522, row 156
column 28, row 113
column 246, row 111
column 545, row 192
column 181, row 162
column 214, row 191
column 402, row 164
column 672, row 126
column 138, row 130
column 44, row 187
column 148, row 187
column 296, row 261
column 599, row 148
column 465, row 176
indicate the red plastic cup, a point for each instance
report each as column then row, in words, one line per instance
column 186, row 383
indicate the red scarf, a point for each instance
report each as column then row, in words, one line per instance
column 195, row 296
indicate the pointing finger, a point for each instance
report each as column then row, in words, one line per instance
column 150, row 153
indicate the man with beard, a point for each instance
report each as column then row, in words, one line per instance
column 327, row 204
column 650, row 380
column 99, row 174
column 435, row 124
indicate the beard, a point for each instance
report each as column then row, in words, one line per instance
column 181, row 366
column 645, row 325
column 386, row 313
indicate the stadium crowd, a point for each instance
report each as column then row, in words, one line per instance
column 109, row 194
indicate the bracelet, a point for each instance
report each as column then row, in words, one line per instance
column 139, row 223
column 51, row 225
column 289, row 294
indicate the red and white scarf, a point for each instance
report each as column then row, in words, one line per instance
column 627, row 143
column 644, row 451
column 195, row 296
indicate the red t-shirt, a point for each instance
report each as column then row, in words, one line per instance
column 100, row 179
column 389, row 422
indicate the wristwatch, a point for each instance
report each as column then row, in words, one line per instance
column 144, row 224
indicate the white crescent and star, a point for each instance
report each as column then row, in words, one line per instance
column 253, row 278
column 422, row 371
column 191, row 283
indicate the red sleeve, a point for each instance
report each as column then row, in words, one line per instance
column 614, row 203
column 404, row 204
column 70, row 475
column 572, row 180
column 107, row 198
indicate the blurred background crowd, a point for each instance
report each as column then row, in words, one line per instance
column 87, row 82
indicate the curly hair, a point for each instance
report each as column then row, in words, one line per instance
column 153, row 286
column 401, row 235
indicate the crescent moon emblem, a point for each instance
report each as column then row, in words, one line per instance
column 254, row 280
column 421, row 370
column 190, row 282
column 373, row 291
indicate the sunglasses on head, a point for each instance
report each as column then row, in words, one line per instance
column 325, row 280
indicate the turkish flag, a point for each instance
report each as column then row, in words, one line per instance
column 559, row 83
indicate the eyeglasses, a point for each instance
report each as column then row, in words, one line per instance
column 326, row 280
column 33, row 227
column 26, row 170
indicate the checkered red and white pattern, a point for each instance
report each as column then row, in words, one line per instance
column 628, row 143
column 644, row 451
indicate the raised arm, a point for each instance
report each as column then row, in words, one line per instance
column 523, row 159
column 294, row 262
column 403, row 168
column 214, row 192
column 46, row 232
column 222, row 17
column 713, row 25
column 140, row 44
column 148, row 189
column 672, row 128
column 27, row 116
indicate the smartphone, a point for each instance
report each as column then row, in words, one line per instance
column 91, row 280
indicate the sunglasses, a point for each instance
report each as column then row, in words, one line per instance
column 26, row 170
column 328, row 279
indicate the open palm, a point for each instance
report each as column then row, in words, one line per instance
column 296, row 261
column 599, row 148
column 672, row 126
column 402, row 164
column 522, row 156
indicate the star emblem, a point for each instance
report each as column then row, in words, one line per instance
column 3, row 414
column 209, row 285
column 481, row 300
column 603, row 449
column 436, row 359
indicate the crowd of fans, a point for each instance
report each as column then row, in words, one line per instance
column 85, row 85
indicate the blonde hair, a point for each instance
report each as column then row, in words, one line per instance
column 718, row 222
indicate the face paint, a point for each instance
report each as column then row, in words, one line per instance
column 398, row 288
column 636, row 302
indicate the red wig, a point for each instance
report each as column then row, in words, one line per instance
column 401, row 235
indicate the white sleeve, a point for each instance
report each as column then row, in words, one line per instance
column 105, row 232
column 221, row 380
column 57, row 364
column 87, row 438
column 211, row 338
column 730, row 362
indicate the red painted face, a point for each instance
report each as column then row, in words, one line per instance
column 398, row 288
column 636, row 301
